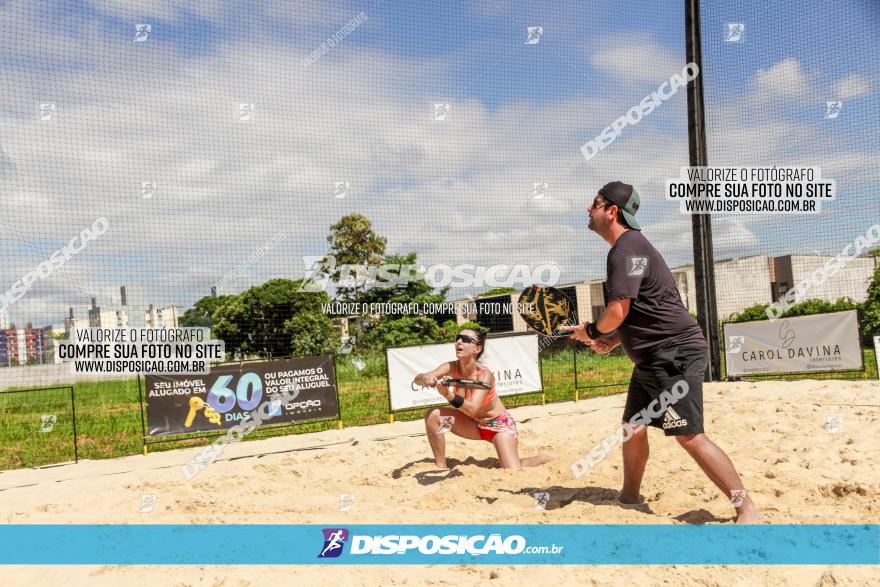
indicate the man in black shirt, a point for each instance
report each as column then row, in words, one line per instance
column 645, row 315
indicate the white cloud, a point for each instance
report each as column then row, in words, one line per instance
column 636, row 58
column 852, row 86
column 786, row 78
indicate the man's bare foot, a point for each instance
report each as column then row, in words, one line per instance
column 748, row 515
column 627, row 499
column 441, row 464
column 536, row 460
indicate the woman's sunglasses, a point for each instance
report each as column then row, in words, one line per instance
column 465, row 338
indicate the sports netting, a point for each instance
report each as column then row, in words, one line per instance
column 221, row 142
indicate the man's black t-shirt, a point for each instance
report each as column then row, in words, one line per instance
column 657, row 319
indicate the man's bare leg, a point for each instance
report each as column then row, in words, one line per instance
column 635, row 457
column 718, row 467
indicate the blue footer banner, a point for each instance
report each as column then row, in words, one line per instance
column 530, row 544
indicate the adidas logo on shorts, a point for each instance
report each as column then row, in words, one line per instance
column 673, row 420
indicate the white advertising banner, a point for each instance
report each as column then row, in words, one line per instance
column 823, row 342
column 512, row 359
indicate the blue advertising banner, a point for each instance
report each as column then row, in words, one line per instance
column 526, row 544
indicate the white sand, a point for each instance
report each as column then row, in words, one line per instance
column 773, row 431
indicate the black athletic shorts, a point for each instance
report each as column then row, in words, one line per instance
column 660, row 373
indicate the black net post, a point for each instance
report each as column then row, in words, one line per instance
column 73, row 418
column 701, row 224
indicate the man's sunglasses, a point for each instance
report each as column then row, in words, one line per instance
column 465, row 338
column 597, row 202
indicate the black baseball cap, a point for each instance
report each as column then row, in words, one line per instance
column 625, row 197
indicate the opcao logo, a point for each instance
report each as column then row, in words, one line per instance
column 298, row 406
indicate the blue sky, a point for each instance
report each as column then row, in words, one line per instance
column 454, row 191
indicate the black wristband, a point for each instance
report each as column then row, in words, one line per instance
column 592, row 331
column 457, row 401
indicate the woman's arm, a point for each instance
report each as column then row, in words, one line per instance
column 430, row 378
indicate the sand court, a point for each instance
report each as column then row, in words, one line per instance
column 806, row 452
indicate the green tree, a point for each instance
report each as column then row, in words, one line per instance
column 311, row 334
column 378, row 332
column 809, row 307
column 871, row 309
column 804, row 308
column 496, row 291
column 352, row 242
column 403, row 331
column 416, row 290
column 256, row 322
column 202, row 311
column 750, row 314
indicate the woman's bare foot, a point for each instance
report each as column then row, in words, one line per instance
column 537, row 460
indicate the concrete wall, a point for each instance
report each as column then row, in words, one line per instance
column 463, row 313
column 584, row 303
column 686, row 284
column 519, row 325
column 741, row 283
column 850, row 282
column 597, row 299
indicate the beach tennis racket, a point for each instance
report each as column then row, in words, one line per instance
column 545, row 309
column 465, row 383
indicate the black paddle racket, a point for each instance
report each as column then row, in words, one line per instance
column 545, row 309
column 465, row 383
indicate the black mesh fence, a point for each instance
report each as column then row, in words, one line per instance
column 284, row 174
